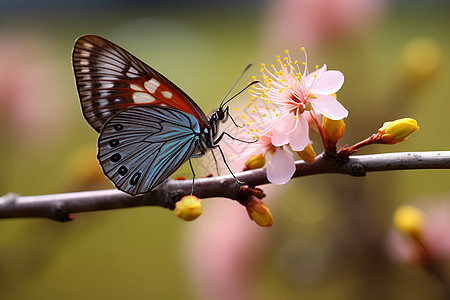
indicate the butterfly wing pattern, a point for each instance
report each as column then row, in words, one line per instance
column 110, row 79
column 143, row 145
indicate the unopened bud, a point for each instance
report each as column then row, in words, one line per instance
column 333, row 129
column 308, row 154
column 255, row 162
column 398, row 130
column 409, row 219
column 259, row 212
column 188, row 208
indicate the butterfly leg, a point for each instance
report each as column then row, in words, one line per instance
column 193, row 176
column 226, row 111
column 231, row 137
column 225, row 161
column 215, row 161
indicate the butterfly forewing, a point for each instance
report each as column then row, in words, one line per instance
column 110, row 79
column 143, row 145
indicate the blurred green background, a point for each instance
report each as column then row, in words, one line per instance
column 330, row 237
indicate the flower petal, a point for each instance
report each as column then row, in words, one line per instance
column 282, row 128
column 299, row 138
column 280, row 167
column 326, row 82
column 329, row 107
column 310, row 77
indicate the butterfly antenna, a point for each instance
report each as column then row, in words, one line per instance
column 248, row 85
column 240, row 76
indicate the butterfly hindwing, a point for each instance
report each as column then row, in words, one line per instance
column 110, row 79
column 143, row 145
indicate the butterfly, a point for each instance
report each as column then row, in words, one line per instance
column 148, row 126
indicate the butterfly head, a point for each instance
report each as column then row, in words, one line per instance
column 219, row 115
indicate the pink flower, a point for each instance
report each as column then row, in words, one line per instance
column 280, row 165
column 291, row 95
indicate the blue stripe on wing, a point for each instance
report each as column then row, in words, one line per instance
column 143, row 145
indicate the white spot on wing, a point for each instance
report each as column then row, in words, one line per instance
column 139, row 97
column 88, row 45
column 107, row 85
column 85, row 53
column 152, row 85
column 132, row 73
column 167, row 94
column 136, row 87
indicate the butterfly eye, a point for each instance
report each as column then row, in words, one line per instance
column 220, row 114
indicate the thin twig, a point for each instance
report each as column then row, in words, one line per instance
column 60, row 207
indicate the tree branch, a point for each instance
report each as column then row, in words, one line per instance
column 61, row 207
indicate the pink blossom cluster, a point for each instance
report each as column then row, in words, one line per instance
column 283, row 106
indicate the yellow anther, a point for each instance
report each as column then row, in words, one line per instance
column 263, row 65
column 302, row 49
column 272, row 65
column 286, row 51
column 303, row 63
column 317, row 66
